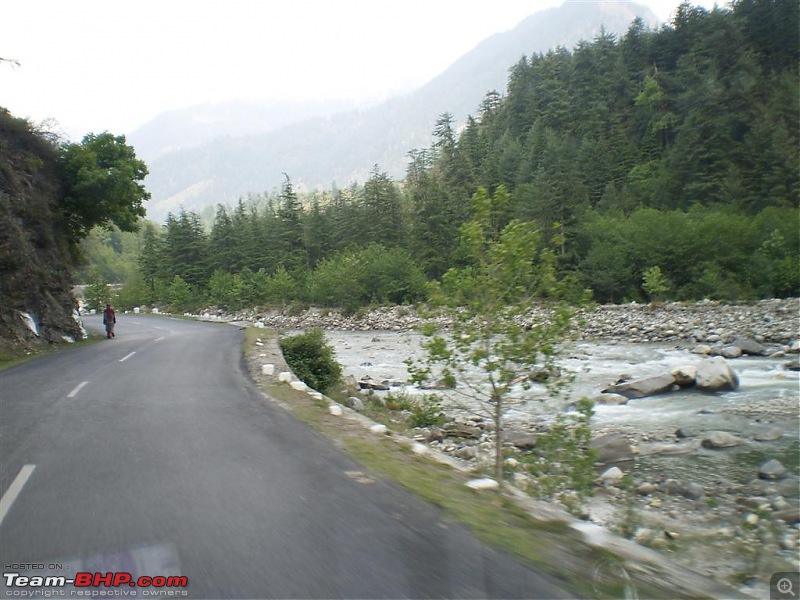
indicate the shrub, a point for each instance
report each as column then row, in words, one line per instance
column 312, row 359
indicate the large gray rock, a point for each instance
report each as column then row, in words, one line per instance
column 721, row 439
column 611, row 448
column 640, row 388
column 716, row 375
column 772, row 469
column 612, row 399
column 751, row 347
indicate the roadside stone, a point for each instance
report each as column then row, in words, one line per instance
column 482, row 484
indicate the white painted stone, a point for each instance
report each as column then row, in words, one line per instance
column 68, row 339
column 267, row 369
column 136, row 310
column 155, row 311
column 285, row 376
column 298, row 385
column 259, row 343
column 484, row 483
column 379, row 428
column 418, row 448
column 335, row 410
column 315, row 395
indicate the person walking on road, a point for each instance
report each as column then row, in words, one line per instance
column 109, row 320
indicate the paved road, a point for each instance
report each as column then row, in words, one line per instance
column 153, row 453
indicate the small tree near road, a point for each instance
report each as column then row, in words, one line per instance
column 493, row 307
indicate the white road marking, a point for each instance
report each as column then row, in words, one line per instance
column 77, row 389
column 14, row 489
column 127, row 357
column 161, row 338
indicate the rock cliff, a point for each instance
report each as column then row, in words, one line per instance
column 36, row 301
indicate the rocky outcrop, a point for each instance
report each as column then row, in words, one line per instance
column 36, row 301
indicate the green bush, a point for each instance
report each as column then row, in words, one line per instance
column 312, row 359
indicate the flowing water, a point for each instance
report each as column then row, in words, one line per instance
column 768, row 397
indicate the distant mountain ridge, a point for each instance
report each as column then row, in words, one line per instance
column 338, row 149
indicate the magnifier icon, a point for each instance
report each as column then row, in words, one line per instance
column 785, row 587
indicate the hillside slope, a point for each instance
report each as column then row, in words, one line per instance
column 36, row 300
column 340, row 149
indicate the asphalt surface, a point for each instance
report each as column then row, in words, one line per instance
column 154, row 454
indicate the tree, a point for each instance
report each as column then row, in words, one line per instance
column 101, row 178
column 494, row 325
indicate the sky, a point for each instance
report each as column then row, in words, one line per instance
column 105, row 65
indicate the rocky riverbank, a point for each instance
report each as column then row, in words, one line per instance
column 714, row 498
column 775, row 321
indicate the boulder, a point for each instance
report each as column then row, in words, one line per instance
column 792, row 365
column 610, row 399
column 612, row 475
column 521, row 440
column 750, row 347
column 715, row 374
column 462, row 431
column 772, row 469
column 685, row 375
column 721, row 439
column 702, row 349
column 768, row 435
column 730, row 352
column 691, row 490
column 368, row 383
column 611, row 448
column 640, row 388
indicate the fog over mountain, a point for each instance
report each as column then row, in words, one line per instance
column 206, row 155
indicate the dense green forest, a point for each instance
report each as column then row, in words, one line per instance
column 661, row 165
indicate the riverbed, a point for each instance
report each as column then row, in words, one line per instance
column 716, row 525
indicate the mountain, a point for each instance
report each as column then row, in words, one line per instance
column 338, row 149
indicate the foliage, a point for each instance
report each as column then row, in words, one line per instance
column 674, row 148
column 488, row 352
column 426, row 412
column 101, row 178
column 98, row 293
column 312, row 359
column 562, row 460
column 655, row 283
column 180, row 294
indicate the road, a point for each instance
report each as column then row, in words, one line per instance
column 154, row 454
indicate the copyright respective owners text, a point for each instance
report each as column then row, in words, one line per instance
column 784, row 585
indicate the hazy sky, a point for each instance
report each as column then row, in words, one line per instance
column 95, row 65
